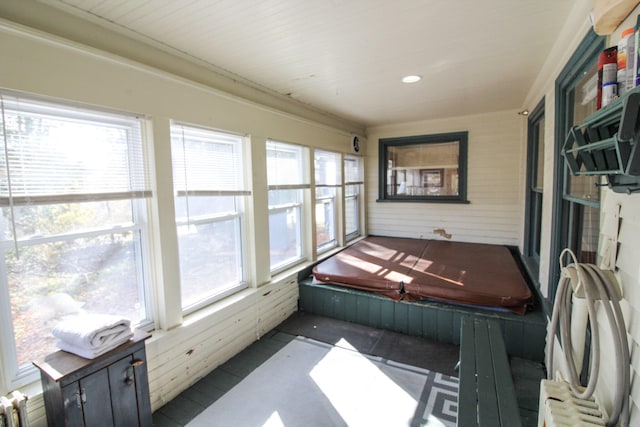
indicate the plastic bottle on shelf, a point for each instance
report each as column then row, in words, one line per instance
column 636, row 53
column 609, row 93
column 625, row 50
column 607, row 73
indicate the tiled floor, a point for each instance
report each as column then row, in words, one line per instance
column 390, row 345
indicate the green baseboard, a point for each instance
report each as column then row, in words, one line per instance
column 524, row 336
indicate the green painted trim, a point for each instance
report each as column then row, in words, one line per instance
column 590, row 203
column 585, row 56
column 384, row 143
column 423, row 199
column 532, row 144
column 524, row 335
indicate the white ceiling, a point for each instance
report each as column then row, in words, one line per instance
column 346, row 57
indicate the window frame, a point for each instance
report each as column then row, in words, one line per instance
column 301, row 206
column 567, row 208
column 237, row 215
column 462, row 137
column 534, row 195
column 358, row 184
column 298, row 208
column 12, row 374
column 331, row 200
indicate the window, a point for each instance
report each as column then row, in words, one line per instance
column 353, row 182
column 535, row 177
column 327, row 181
column 287, row 178
column 426, row 168
column 209, row 205
column 576, row 208
column 73, row 185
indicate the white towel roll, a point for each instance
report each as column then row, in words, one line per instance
column 93, row 331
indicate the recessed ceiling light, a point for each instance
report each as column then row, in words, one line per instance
column 411, row 79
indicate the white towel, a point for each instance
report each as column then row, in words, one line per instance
column 92, row 353
column 93, row 332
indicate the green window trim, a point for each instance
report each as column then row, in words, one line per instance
column 431, row 176
column 585, row 55
column 534, row 194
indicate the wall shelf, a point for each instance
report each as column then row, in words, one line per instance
column 606, row 144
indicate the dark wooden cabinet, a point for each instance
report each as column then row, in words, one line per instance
column 111, row 390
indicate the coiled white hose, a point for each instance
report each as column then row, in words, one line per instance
column 597, row 286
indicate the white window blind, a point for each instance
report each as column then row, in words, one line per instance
column 287, row 166
column 353, row 170
column 206, row 162
column 327, row 169
column 54, row 154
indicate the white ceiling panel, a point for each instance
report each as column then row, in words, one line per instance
column 347, row 57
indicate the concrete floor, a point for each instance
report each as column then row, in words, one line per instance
column 411, row 350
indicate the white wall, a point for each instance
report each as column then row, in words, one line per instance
column 627, row 270
column 495, row 178
column 39, row 63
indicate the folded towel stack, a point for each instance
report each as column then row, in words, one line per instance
column 90, row 335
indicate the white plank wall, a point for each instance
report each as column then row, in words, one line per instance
column 180, row 357
column 495, row 183
column 627, row 274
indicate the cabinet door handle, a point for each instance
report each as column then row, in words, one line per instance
column 129, row 376
column 137, row 362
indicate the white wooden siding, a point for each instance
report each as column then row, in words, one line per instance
column 179, row 358
column 628, row 275
column 495, row 182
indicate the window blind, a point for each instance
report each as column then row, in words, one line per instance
column 287, row 166
column 327, row 169
column 353, row 170
column 54, row 154
column 206, row 162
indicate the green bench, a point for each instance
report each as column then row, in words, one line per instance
column 487, row 395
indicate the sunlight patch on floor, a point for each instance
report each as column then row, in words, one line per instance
column 361, row 392
column 274, row 421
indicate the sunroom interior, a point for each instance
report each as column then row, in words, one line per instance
column 235, row 146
